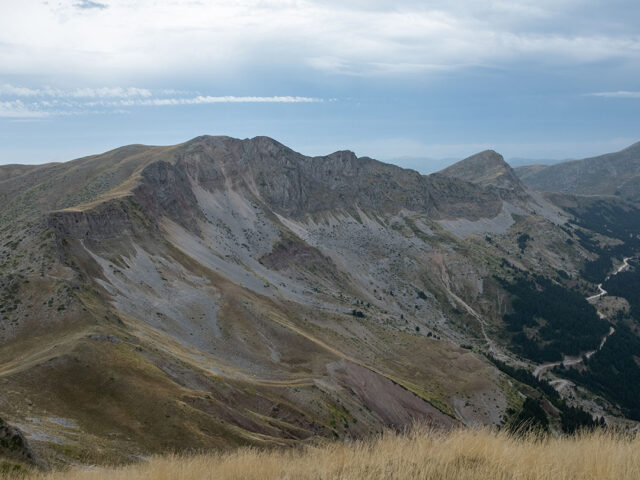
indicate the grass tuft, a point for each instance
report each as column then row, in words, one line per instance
column 466, row 453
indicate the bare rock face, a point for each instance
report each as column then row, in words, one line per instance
column 165, row 190
column 285, row 182
column 293, row 184
column 107, row 220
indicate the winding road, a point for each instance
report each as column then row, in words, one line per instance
column 568, row 361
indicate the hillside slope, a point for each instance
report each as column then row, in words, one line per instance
column 227, row 292
column 610, row 174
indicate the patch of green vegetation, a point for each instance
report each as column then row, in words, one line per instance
column 572, row 418
column 339, row 415
column 12, row 244
column 414, row 228
column 522, row 239
column 433, row 396
column 626, row 285
column 614, row 371
column 526, row 377
column 549, row 320
column 356, row 216
column 575, row 419
column 530, row 418
column 12, row 469
column 90, row 191
column 612, row 219
column 136, row 212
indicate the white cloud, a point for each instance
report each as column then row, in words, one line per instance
column 104, row 92
column 52, row 102
column 205, row 100
column 139, row 38
column 17, row 109
column 618, row 94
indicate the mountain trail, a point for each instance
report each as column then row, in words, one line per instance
column 570, row 361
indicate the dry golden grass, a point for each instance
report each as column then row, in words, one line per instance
column 461, row 454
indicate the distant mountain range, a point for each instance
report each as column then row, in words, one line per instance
column 427, row 165
column 520, row 161
column 611, row 174
column 226, row 292
column 424, row 165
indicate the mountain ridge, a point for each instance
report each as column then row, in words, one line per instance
column 226, row 292
column 616, row 173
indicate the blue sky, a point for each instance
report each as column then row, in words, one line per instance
column 405, row 80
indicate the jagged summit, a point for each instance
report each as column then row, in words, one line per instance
column 486, row 168
column 291, row 183
column 261, row 167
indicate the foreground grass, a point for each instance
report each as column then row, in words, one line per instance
column 462, row 454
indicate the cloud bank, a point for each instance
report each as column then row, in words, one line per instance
column 351, row 37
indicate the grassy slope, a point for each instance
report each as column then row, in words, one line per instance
column 468, row 454
column 29, row 192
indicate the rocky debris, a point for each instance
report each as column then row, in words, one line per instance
column 110, row 219
column 98, row 337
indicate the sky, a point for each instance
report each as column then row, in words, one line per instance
column 409, row 81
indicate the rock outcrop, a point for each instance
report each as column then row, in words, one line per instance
column 14, row 445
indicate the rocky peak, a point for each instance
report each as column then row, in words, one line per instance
column 294, row 184
column 487, row 169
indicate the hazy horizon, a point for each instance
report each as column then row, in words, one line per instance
column 424, row 165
